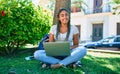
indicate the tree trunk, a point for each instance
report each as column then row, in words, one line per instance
column 61, row 4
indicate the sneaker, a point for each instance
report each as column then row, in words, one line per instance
column 29, row 58
column 78, row 64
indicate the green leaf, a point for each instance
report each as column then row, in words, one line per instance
column 23, row 23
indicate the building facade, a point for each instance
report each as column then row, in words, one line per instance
column 96, row 21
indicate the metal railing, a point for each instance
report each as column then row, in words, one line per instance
column 96, row 10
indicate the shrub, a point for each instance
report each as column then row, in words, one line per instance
column 21, row 23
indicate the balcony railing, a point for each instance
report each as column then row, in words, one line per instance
column 96, row 10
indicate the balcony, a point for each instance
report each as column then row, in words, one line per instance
column 96, row 10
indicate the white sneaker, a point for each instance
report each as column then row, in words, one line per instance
column 29, row 58
column 79, row 64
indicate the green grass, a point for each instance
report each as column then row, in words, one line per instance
column 93, row 63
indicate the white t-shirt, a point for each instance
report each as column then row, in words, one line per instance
column 62, row 36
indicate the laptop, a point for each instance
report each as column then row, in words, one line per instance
column 57, row 48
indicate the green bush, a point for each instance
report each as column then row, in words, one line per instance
column 20, row 23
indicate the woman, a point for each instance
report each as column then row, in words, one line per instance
column 63, row 31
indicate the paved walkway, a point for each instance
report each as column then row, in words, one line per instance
column 107, row 50
column 112, row 49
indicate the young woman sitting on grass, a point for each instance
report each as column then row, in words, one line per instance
column 63, row 31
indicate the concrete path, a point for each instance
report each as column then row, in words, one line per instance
column 106, row 50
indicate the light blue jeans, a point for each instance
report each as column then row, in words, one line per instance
column 76, row 54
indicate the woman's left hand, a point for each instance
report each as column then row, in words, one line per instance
column 74, row 46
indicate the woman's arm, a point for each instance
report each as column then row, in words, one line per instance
column 75, row 41
column 51, row 37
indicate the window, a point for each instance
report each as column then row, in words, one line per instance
column 97, row 6
column 110, row 39
column 96, row 3
column 118, row 39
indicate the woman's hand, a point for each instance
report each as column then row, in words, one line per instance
column 51, row 37
column 75, row 41
column 74, row 46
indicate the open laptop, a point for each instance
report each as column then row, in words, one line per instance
column 57, row 48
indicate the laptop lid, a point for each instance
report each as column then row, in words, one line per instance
column 57, row 48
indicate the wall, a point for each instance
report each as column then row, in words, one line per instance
column 109, row 24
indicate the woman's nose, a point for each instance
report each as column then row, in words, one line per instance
column 65, row 16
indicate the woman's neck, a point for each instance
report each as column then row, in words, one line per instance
column 63, row 25
column 63, row 28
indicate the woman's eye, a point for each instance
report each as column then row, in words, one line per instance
column 62, row 15
column 66, row 14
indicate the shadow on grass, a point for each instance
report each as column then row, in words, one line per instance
column 18, row 51
column 98, row 65
column 62, row 70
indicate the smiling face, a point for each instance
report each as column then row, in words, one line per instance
column 63, row 17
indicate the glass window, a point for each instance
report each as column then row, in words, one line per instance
column 110, row 39
column 96, row 2
column 118, row 39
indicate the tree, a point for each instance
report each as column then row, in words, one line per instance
column 78, row 4
column 65, row 4
column 51, row 5
column 21, row 23
column 116, row 6
column 61, row 4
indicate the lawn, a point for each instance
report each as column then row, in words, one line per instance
column 93, row 63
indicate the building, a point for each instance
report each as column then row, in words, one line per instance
column 96, row 22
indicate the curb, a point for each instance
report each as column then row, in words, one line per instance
column 103, row 51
